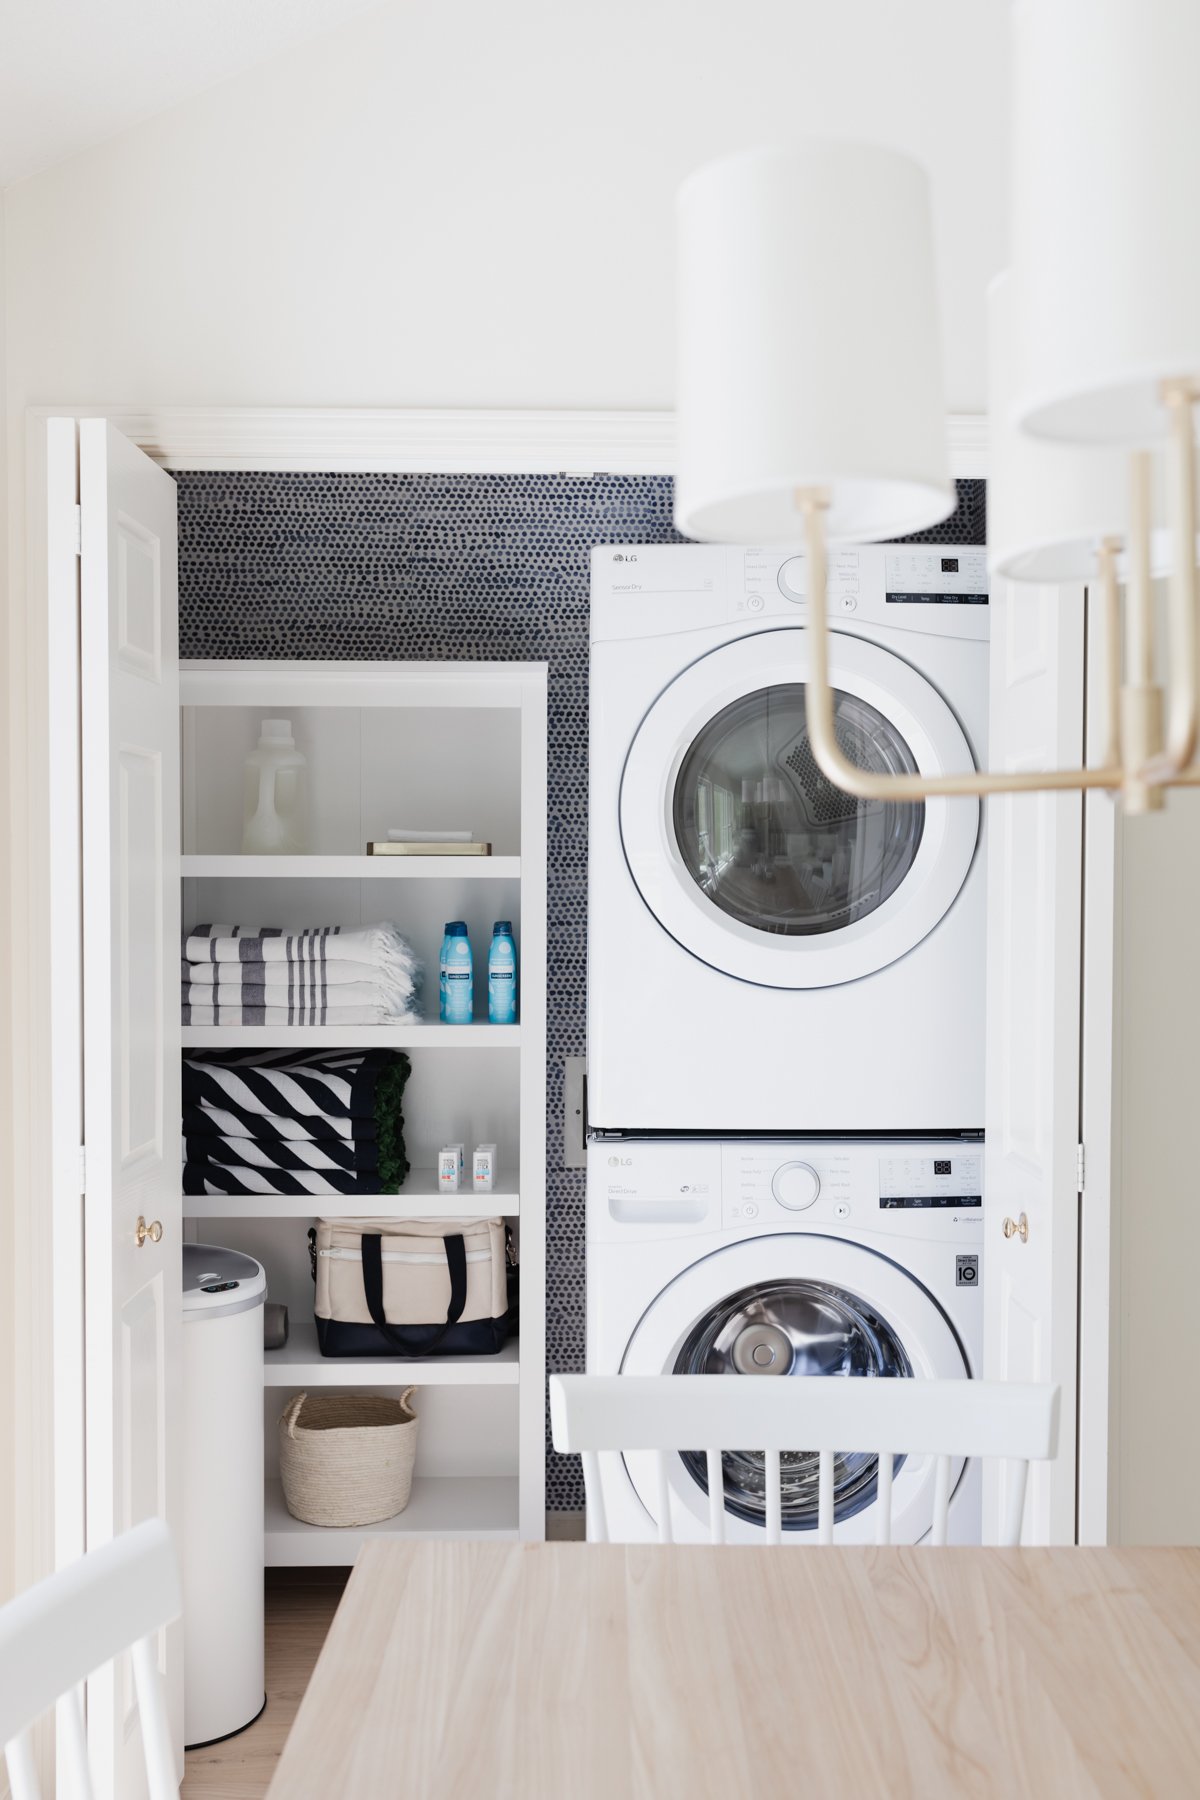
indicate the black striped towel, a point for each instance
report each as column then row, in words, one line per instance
column 294, row 1122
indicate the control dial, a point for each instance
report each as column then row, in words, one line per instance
column 793, row 579
column 795, row 1185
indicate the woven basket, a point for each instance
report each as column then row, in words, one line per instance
column 347, row 1459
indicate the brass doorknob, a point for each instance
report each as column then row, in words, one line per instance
column 153, row 1231
column 1017, row 1228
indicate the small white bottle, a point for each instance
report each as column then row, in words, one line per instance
column 275, row 794
column 483, row 1169
column 448, row 1170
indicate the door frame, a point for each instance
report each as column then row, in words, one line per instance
column 1098, row 1516
column 48, row 1523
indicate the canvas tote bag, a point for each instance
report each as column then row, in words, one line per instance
column 410, row 1287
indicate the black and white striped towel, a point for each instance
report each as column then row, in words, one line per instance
column 216, row 1178
column 332, row 1089
column 294, row 1122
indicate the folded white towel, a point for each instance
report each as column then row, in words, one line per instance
column 314, row 1013
column 374, row 945
column 269, row 984
column 334, row 972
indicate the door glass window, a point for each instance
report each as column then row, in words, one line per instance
column 792, row 1328
column 770, row 839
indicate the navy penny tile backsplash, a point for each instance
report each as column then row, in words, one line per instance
column 433, row 567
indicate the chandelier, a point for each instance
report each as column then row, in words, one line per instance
column 810, row 397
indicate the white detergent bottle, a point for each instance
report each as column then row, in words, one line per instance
column 275, row 794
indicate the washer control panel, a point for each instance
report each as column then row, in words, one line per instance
column 896, row 1188
column 770, row 1183
column 646, row 590
column 772, row 1180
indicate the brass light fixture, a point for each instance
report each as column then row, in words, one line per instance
column 810, row 402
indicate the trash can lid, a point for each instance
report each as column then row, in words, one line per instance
column 218, row 1282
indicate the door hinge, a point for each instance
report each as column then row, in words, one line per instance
column 83, row 1168
column 77, row 528
column 1080, row 1167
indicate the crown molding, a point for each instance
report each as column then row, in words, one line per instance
column 366, row 440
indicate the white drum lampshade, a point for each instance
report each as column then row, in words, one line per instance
column 1049, row 505
column 808, row 347
column 1106, row 225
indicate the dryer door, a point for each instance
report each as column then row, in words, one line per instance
column 795, row 1304
column 750, row 858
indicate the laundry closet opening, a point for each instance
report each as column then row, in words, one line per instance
column 449, row 568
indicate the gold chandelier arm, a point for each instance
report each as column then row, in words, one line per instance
column 1179, row 397
column 1110, row 550
column 819, row 711
column 1141, row 695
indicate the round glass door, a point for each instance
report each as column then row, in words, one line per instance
column 793, row 1304
column 769, row 839
column 792, row 1328
column 756, row 863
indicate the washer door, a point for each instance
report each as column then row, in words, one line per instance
column 795, row 1304
column 756, row 863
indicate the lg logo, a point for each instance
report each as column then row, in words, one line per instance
column 620, row 1162
column 619, row 558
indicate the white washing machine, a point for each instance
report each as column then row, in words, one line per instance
column 786, row 1257
column 767, row 954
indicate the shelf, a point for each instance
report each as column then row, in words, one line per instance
column 352, row 1037
column 420, row 1198
column 300, row 1364
column 355, row 868
column 441, row 1506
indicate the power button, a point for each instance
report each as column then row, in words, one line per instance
column 754, row 602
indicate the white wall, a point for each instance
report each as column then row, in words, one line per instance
column 472, row 205
column 1156, row 1241
column 445, row 205
column 7, row 1337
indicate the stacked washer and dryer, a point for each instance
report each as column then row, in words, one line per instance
column 785, row 1003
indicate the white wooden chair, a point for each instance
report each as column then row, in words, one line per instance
column 59, row 1632
column 665, row 1414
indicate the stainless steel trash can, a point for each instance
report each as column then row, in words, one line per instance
column 222, row 1543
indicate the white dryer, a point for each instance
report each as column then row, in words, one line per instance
column 766, row 953
column 785, row 1258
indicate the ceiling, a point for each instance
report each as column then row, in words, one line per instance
column 74, row 72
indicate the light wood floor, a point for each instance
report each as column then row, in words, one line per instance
column 300, row 1605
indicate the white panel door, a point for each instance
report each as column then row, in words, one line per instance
column 130, row 755
column 1033, row 1043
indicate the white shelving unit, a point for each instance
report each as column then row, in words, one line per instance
column 440, row 1507
column 396, row 744
column 354, row 868
column 343, row 1037
column 300, row 1364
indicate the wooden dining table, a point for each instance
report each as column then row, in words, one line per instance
column 475, row 1671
